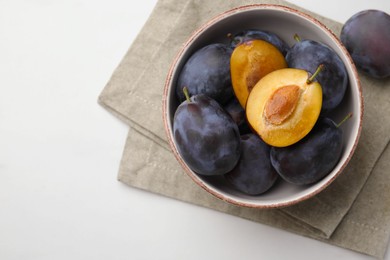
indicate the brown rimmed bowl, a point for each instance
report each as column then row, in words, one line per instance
column 285, row 22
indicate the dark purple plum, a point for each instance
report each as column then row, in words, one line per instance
column 312, row 158
column 254, row 34
column 206, row 136
column 207, row 72
column 366, row 35
column 308, row 55
column 253, row 174
column 237, row 112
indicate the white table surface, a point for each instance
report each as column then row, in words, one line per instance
column 60, row 151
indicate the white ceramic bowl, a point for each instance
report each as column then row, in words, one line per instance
column 285, row 22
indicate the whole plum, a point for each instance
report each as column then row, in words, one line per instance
column 206, row 136
column 254, row 34
column 253, row 173
column 366, row 35
column 308, row 55
column 313, row 157
column 207, row 72
column 237, row 112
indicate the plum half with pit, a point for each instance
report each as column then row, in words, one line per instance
column 312, row 158
column 308, row 55
column 207, row 71
column 366, row 35
column 206, row 137
column 284, row 106
column 254, row 173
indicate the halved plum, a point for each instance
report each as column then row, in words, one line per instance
column 284, row 106
column 250, row 61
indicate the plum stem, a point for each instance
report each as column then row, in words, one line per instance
column 229, row 35
column 318, row 70
column 297, row 38
column 187, row 94
column 345, row 119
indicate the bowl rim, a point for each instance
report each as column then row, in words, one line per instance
column 169, row 134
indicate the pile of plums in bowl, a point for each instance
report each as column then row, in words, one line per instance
column 262, row 106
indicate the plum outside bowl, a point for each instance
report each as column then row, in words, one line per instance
column 285, row 22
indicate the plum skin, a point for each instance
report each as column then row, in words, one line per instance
column 237, row 112
column 207, row 71
column 312, row 158
column 308, row 55
column 254, row 173
column 206, row 137
column 366, row 36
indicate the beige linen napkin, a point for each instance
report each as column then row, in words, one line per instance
column 353, row 212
